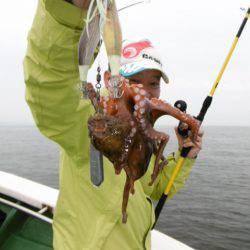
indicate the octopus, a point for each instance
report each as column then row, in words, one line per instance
column 129, row 140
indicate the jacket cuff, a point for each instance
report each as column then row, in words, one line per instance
column 66, row 13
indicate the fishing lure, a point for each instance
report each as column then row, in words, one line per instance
column 102, row 20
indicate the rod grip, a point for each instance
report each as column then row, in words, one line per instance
column 182, row 106
column 206, row 104
column 185, row 151
column 159, row 207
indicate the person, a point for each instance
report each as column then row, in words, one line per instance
column 87, row 217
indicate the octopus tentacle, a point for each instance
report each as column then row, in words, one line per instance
column 139, row 96
column 155, row 147
column 132, row 189
column 127, row 144
column 164, row 108
column 159, row 154
column 118, row 168
column 141, row 106
column 109, row 105
column 126, row 192
column 163, row 139
column 92, row 95
column 161, row 165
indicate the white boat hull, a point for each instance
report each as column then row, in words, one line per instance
column 44, row 198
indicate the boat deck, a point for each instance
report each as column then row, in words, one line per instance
column 20, row 231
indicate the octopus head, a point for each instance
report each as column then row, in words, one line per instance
column 107, row 133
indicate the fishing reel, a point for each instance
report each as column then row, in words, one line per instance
column 183, row 129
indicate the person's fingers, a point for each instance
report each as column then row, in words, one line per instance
column 176, row 132
column 197, row 145
column 188, row 144
column 199, row 139
column 183, row 125
column 201, row 133
column 179, row 137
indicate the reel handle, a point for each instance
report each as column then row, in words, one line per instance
column 182, row 129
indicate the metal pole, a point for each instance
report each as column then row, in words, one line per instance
column 26, row 210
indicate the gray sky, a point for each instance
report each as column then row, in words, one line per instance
column 193, row 38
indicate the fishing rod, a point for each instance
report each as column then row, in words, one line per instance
column 130, row 5
column 206, row 104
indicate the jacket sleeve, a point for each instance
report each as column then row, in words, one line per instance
column 51, row 74
column 155, row 191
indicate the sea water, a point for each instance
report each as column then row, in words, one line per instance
column 212, row 211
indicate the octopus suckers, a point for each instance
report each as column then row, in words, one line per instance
column 142, row 110
column 136, row 90
column 142, row 103
column 137, row 97
column 133, row 130
column 143, row 92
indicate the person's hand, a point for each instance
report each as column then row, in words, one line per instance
column 187, row 142
column 83, row 4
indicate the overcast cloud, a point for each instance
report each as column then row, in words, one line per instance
column 193, row 38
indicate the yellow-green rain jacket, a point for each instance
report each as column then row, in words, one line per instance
column 86, row 217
